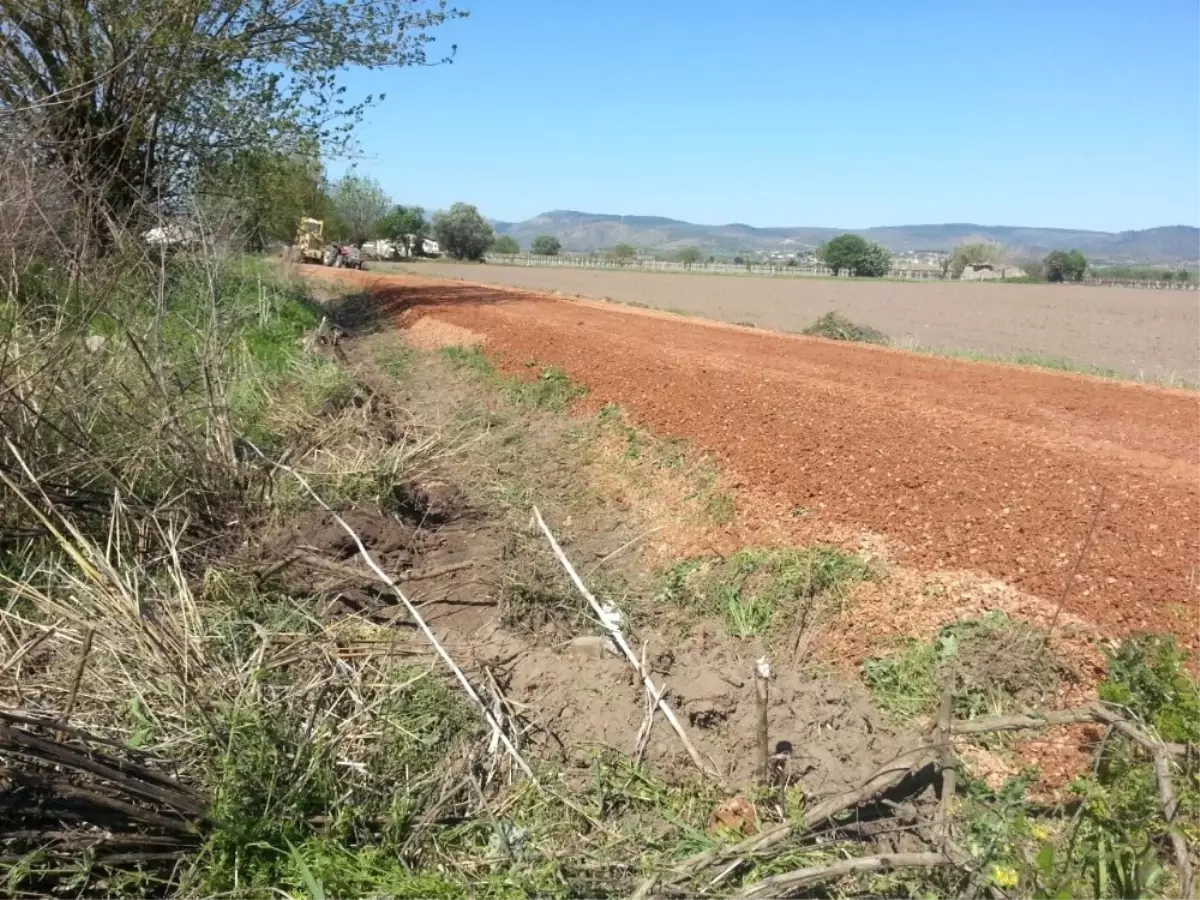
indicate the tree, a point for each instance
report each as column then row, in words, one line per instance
column 462, row 232
column 856, row 255
column 1068, row 266
column 622, row 253
column 405, row 225
column 545, row 245
column 689, row 256
column 1183, row 275
column 876, row 262
column 360, row 204
column 267, row 193
column 506, row 244
column 975, row 253
column 133, row 101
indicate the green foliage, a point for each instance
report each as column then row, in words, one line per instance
column 545, row 245
column 360, row 204
column 462, row 232
column 470, row 358
column 836, row 327
column 974, row 253
column 753, row 588
column 403, row 222
column 506, row 244
column 273, row 779
column 857, row 255
column 1148, row 675
column 137, row 100
column 1068, row 266
column 624, row 252
column 268, row 192
column 689, row 256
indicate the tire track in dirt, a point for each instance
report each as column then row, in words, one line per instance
column 967, row 465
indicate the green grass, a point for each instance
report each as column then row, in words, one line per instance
column 755, row 590
column 998, row 663
column 551, row 390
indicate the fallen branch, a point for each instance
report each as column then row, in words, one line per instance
column 607, row 620
column 1095, row 713
column 777, row 885
column 468, row 689
column 884, row 779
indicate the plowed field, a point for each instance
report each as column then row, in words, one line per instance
column 1147, row 334
column 965, row 465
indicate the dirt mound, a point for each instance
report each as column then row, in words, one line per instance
column 428, row 333
column 830, row 734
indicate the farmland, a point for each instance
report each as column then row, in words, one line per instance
column 1142, row 333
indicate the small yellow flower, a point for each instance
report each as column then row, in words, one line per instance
column 1040, row 832
column 1005, row 876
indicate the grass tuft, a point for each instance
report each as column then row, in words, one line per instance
column 755, row 589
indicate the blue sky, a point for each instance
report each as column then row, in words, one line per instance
column 785, row 112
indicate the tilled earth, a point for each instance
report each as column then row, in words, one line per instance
column 962, row 465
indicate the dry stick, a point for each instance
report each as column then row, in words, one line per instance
column 84, row 651
column 762, row 678
column 28, row 648
column 788, row 882
column 614, row 631
column 1160, row 751
column 884, row 778
column 1087, row 542
column 946, row 752
column 412, row 611
column 1076, row 716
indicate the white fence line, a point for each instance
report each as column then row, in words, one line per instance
column 768, row 270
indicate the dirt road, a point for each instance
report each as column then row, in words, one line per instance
column 966, row 465
column 1146, row 334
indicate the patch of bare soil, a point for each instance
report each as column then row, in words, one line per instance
column 828, row 734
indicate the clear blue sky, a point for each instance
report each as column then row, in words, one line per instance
column 785, row 112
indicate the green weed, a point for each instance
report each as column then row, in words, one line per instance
column 836, row 327
column 753, row 588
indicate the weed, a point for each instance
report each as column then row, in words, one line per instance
column 470, row 358
column 834, row 326
column 998, row 664
column 1148, row 673
column 752, row 588
column 552, row 390
column 720, row 509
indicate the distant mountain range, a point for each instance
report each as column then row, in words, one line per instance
column 580, row 231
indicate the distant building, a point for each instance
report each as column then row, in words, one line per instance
column 990, row 272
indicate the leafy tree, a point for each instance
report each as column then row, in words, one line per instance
column 405, row 225
column 545, row 245
column 1168, row 275
column 267, row 192
column 856, row 255
column 689, row 256
column 624, row 252
column 462, row 232
column 739, row 261
column 360, row 205
column 135, row 100
column 1068, row 266
column 506, row 244
column 975, row 253
column 1183, row 275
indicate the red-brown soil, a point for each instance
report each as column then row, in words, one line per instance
column 1146, row 334
column 963, row 465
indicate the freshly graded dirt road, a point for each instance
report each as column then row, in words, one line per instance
column 1144, row 333
column 967, row 465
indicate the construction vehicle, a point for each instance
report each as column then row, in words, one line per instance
column 310, row 241
column 312, row 247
